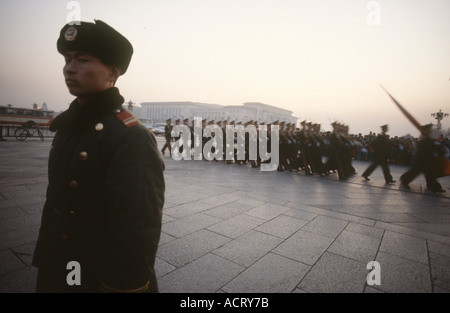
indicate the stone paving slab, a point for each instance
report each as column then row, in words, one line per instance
column 262, row 278
column 355, row 246
column 402, row 275
column 335, row 273
column 248, row 248
column 230, row 228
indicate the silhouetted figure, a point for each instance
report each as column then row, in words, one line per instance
column 426, row 162
column 381, row 145
column 168, row 136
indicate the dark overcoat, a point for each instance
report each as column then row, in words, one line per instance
column 104, row 201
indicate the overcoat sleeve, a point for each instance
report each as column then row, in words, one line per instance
column 135, row 198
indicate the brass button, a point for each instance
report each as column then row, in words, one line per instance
column 72, row 213
column 83, row 156
column 73, row 184
column 64, row 237
column 99, row 127
column 118, row 110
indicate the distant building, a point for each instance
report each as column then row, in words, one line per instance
column 159, row 112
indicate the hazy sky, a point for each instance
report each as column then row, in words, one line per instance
column 322, row 59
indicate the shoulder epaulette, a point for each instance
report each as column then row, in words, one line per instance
column 126, row 117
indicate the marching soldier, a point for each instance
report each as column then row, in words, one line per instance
column 335, row 161
column 291, row 144
column 381, row 145
column 347, row 152
column 255, row 138
column 425, row 162
column 309, row 147
column 106, row 185
column 316, row 150
column 185, row 144
column 224, row 140
column 208, row 138
column 302, row 141
column 283, row 147
column 176, row 138
column 192, row 128
column 167, row 136
column 203, row 139
column 240, row 145
column 232, row 153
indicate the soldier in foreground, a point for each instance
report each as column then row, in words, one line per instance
column 106, row 185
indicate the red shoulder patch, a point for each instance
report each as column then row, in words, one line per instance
column 127, row 118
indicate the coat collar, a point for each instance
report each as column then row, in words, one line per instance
column 78, row 117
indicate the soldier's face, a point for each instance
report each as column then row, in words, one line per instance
column 86, row 75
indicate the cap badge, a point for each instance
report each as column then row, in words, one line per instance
column 71, row 33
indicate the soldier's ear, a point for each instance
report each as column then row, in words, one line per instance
column 114, row 73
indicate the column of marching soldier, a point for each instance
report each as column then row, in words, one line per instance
column 306, row 149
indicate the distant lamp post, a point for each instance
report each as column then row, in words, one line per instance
column 130, row 106
column 439, row 116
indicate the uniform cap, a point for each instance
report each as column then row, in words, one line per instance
column 98, row 39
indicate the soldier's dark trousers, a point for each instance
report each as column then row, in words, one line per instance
column 384, row 165
column 430, row 177
column 53, row 279
column 167, row 145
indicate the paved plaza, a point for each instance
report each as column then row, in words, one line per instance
column 235, row 229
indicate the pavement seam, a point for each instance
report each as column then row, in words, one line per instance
column 415, row 233
column 375, row 258
column 429, row 266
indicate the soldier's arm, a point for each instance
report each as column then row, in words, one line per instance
column 135, row 195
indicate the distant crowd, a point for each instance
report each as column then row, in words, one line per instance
column 402, row 150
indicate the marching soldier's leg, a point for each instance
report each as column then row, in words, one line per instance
column 386, row 172
column 409, row 176
column 369, row 170
column 432, row 183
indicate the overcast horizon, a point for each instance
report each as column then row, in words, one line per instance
column 323, row 60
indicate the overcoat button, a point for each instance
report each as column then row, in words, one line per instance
column 73, row 184
column 64, row 237
column 99, row 127
column 83, row 156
